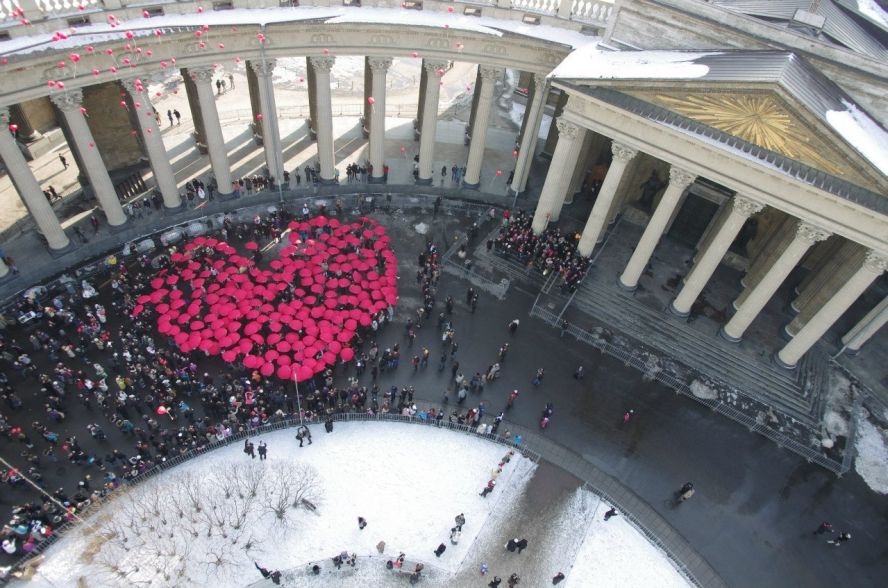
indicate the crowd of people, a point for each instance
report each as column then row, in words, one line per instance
column 551, row 251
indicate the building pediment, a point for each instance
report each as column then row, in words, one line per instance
column 768, row 105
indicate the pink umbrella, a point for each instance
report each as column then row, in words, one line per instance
column 347, row 354
column 267, row 369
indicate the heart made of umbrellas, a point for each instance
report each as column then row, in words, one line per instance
column 292, row 320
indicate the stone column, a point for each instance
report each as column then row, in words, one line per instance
column 845, row 255
column 312, row 84
column 679, row 180
column 29, row 190
column 420, row 106
column 622, row 156
column 271, row 136
column 558, row 178
column 203, row 82
column 69, row 103
column 706, row 263
column 533, row 117
column 775, row 243
column 759, row 294
column 873, row 266
column 150, row 131
column 488, row 76
column 379, row 66
column 429, row 121
column 552, row 137
column 866, row 328
column 324, row 125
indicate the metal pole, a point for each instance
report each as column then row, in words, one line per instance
column 298, row 402
column 39, row 489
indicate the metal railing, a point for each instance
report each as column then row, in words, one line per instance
column 514, row 443
column 716, row 405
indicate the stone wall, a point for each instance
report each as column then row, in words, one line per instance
column 40, row 114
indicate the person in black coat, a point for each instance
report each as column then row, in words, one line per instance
column 440, row 550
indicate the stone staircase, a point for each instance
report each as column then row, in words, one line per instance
column 796, row 393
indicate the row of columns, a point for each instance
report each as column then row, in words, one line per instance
column 764, row 278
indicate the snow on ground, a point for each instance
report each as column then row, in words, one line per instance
column 616, row 555
column 862, row 133
column 837, row 408
column 872, row 453
column 408, row 481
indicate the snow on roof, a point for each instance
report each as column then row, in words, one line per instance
column 873, row 11
column 103, row 32
column 592, row 62
column 862, row 133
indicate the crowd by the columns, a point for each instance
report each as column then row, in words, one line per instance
column 551, row 251
column 119, row 393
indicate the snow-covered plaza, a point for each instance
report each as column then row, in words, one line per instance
column 208, row 521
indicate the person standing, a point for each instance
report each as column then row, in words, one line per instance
column 263, row 451
column 488, row 489
column 460, row 520
column 362, row 522
column 521, row 544
column 579, row 373
column 611, row 513
column 231, row 80
column 170, row 116
column 557, row 578
column 248, row 449
column 514, row 580
column 495, row 582
column 63, row 160
column 441, row 549
column 513, row 326
column 512, row 545
column 178, row 117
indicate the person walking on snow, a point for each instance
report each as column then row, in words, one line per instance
column 611, row 513
column 248, row 449
column 557, row 578
column 263, row 451
column 460, row 521
column 521, row 545
column 441, row 549
column 512, row 544
column 362, row 522
column 488, row 489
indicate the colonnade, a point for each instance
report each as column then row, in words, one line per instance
column 770, row 271
column 203, row 104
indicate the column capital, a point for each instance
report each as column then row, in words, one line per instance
column 263, row 68
column 539, row 82
column 680, row 177
column 567, row 129
column 490, row 73
column 432, row 66
column 322, row 64
column 622, row 152
column 379, row 65
column 875, row 262
column 203, row 74
column 129, row 84
column 746, row 206
column 811, row 234
column 68, row 100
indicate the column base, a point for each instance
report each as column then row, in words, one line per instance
column 677, row 313
column 780, row 363
column 327, row 182
column 379, row 180
column 729, row 338
column 121, row 227
column 849, row 352
column 423, row 181
column 626, row 287
column 785, row 334
column 229, row 196
column 471, row 186
column 174, row 209
column 62, row 251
